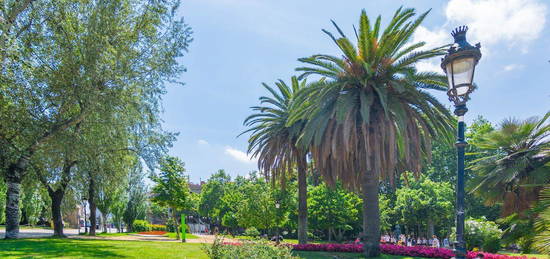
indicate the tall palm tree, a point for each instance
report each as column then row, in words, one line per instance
column 371, row 117
column 516, row 164
column 273, row 142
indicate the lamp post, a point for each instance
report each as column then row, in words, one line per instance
column 277, row 237
column 459, row 65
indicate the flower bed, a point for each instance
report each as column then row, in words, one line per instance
column 415, row 251
column 156, row 233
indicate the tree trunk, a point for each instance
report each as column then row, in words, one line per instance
column 57, row 217
column 12, row 206
column 371, row 214
column 302, row 199
column 176, row 222
column 104, row 221
column 430, row 227
column 93, row 206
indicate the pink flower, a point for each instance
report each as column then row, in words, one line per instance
column 415, row 251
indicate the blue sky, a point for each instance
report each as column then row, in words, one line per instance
column 241, row 43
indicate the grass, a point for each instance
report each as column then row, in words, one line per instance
column 94, row 248
column 528, row 255
column 91, row 248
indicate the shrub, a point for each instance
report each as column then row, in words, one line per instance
column 256, row 250
column 155, row 227
column 482, row 234
column 141, row 226
column 251, row 232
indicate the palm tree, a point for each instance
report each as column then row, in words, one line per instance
column 371, row 117
column 273, row 141
column 542, row 225
column 516, row 164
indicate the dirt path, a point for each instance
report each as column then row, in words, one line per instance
column 73, row 233
column 208, row 239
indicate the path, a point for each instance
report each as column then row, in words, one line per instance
column 39, row 232
column 73, row 233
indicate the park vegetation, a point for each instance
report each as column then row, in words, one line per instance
column 352, row 147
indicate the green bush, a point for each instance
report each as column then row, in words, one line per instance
column 256, row 249
column 483, row 234
column 155, row 227
column 251, row 232
column 141, row 226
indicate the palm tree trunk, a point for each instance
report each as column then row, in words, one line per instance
column 371, row 214
column 302, row 199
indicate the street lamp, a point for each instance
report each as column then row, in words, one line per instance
column 277, row 206
column 459, row 65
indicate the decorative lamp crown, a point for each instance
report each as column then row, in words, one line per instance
column 459, row 65
column 459, row 34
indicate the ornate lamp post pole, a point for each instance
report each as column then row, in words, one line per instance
column 459, row 65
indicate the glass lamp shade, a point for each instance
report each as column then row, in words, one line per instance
column 460, row 73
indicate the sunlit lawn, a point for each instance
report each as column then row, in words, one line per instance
column 93, row 248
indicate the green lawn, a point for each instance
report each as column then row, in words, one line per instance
column 93, row 248
column 528, row 255
column 90, row 248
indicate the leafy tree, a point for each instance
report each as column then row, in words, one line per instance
column 425, row 202
column 136, row 205
column 371, row 117
column 211, row 193
column 171, row 188
column 274, row 141
column 72, row 61
column 33, row 203
column 333, row 210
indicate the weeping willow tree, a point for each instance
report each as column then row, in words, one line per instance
column 273, row 141
column 371, row 116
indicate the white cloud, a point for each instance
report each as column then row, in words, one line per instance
column 239, row 155
column 494, row 21
column 510, row 23
column 202, row 142
column 511, row 67
column 427, row 66
column 433, row 39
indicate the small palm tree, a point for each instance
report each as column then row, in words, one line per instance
column 542, row 224
column 273, row 142
column 516, row 164
column 371, row 116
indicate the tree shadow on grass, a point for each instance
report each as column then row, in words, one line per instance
column 56, row 248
